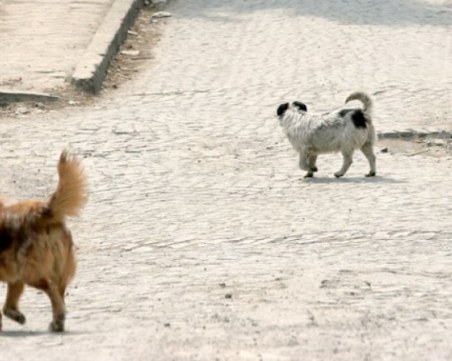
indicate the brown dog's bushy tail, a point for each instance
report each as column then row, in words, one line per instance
column 71, row 194
column 364, row 98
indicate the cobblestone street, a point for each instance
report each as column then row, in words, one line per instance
column 201, row 240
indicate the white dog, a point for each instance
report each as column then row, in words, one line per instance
column 342, row 130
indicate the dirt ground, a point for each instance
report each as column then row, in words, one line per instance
column 412, row 147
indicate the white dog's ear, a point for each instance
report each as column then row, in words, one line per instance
column 282, row 109
column 300, row 106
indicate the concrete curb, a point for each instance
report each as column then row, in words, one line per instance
column 92, row 67
column 15, row 96
column 410, row 134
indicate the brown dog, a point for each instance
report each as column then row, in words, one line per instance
column 36, row 248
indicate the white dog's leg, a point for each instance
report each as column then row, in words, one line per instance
column 304, row 165
column 368, row 151
column 311, row 162
column 311, row 167
column 347, row 162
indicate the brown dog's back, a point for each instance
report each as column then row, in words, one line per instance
column 36, row 247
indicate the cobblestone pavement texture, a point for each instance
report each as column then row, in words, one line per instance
column 200, row 240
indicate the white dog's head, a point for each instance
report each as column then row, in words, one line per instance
column 294, row 106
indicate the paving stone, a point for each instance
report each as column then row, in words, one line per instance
column 193, row 186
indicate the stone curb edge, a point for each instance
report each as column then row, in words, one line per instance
column 92, row 67
column 15, row 96
column 410, row 134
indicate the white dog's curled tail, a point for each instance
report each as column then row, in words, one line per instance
column 364, row 98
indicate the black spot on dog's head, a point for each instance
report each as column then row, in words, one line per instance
column 300, row 106
column 282, row 109
column 358, row 118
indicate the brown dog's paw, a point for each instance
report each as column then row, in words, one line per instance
column 15, row 315
column 371, row 174
column 57, row 326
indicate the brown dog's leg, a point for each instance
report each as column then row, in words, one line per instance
column 58, row 309
column 11, row 307
column 57, row 301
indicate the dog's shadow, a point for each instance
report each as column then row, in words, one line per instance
column 367, row 180
column 22, row 333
